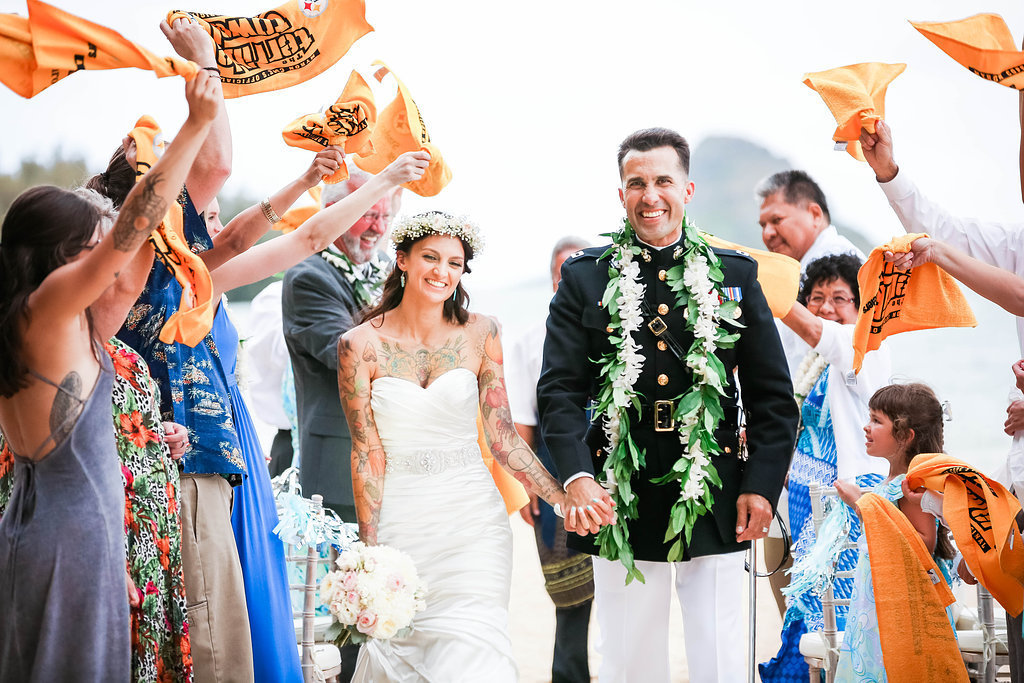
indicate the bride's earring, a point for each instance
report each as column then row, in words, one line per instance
column 403, row 280
column 454, row 294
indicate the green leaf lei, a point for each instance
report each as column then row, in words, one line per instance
column 697, row 284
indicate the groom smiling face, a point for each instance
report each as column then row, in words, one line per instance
column 655, row 190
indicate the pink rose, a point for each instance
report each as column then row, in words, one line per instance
column 352, row 597
column 349, row 581
column 366, row 621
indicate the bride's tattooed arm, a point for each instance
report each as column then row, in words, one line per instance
column 507, row 447
column 356, row 358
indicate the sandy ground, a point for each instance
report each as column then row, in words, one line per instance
column 533, row 619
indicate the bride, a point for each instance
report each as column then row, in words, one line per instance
column 412, row 378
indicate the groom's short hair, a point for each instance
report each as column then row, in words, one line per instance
column 652, row 138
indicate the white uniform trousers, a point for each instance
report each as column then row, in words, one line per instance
column 634, row 619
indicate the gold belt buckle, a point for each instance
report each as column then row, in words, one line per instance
column 657, row 326
column 664, row 420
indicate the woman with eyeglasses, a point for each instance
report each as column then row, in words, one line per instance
column 833, row 410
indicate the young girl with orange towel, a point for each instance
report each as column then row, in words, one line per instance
column 905, row 419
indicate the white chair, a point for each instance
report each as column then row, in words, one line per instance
column 820, row 649
column 321, row 662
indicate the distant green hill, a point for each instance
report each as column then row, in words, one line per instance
column 726, row 170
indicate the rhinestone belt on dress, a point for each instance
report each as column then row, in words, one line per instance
column 431, row 460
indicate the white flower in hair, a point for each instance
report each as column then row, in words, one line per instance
column 438, row 223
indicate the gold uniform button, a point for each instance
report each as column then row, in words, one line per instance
column 662, row 275
column 728, row 450
column 662, row 346
column 662, row 380
column 662, row 309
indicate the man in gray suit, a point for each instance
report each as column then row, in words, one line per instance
column 323, row 298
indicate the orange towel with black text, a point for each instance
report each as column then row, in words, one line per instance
column 894, row 301
column 400, row 129
column 918, row 642
column 52, row 44
column 778, row 274
column 855, row 95
column 983, row 516
column 194, row 317
column 283, row 46
column 982, row 43
column 348, row 123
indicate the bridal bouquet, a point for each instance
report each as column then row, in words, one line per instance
column 374, row 593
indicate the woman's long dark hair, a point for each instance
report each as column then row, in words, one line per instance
column 915, row 406
column 455, row 308
column 44, row 228
column 115, row 182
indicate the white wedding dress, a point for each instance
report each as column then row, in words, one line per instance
column 440, row 505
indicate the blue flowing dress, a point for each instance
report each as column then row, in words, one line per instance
column 814, row 462
column 260, row 551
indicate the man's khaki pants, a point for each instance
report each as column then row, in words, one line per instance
column 217, row 618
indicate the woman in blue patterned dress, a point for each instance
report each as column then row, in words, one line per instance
column 830, row 444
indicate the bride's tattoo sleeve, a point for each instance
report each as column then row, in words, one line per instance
column 368, row 457
column 507, row 447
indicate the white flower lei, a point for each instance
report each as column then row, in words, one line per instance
column 367, row 290
column 811, row 367
column 697, row 283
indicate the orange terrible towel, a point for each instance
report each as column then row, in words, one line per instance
column 194, row 317
column 778, row 274
column 892, row 301
column 918, row 642
column 982, row 515
column 52, row 44
column 982, row 43
column 283, row 46
column 512, row 492
column 855, row 95
column 348, row 123
column 400, row 129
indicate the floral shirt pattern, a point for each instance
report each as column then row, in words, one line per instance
column 161, row 650
column 193, row 386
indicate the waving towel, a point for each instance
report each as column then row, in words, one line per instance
column 400, row 129
column 194, row 317
column 982, row 515
column 52, row 44
column 918, row 643
column 855, row 95
column 892, row 301
column 348, row 123
column 982, row 43
column 283, row 46
column 778, row 274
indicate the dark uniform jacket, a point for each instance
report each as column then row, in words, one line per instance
column 318, row 306
column 577, row 339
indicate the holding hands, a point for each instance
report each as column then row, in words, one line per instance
column 587, row 507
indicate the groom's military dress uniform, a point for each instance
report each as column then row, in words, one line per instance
column 578, row 337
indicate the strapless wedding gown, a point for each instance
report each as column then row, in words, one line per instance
column 440, row 505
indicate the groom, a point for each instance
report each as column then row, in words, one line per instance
column 654, row 170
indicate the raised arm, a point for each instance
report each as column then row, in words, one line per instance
column 368, row 457
column 805, row 324
column 72, row 288
column 320, row 230
column 212, row 166
column 506, row 445
column 995, row 284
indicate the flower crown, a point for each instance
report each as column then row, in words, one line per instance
column 438, row 223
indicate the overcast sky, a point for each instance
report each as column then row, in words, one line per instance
column 529, row 100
